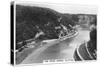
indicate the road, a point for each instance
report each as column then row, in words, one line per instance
column 59, row 50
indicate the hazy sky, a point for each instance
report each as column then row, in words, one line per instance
column 65, row 8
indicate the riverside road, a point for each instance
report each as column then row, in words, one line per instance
column 58, row 50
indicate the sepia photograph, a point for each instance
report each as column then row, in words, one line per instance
column 48, row 32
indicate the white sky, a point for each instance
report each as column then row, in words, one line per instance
column 64, row 8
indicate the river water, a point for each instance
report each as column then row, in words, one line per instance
column 63, row 50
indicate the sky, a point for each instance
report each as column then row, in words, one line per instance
column 64, row 8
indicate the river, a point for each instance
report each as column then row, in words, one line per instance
column 63, row 50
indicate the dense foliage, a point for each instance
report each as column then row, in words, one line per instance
column 32, row 20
